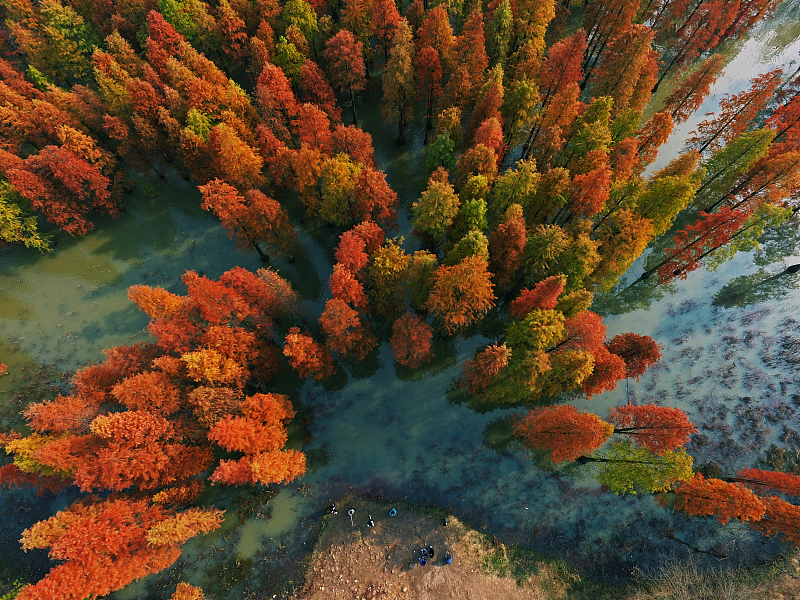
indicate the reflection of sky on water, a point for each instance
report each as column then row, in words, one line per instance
column 726, row 365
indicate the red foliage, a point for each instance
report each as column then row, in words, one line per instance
column 736, row 113
column 437, row 33
column 657, row 428
column 374, row 199
column 344, row 286
column 777, row 482
column 590, row 191
column 149, row 391
column 607, row 371
column 638, row 352
column 709, row 232
column 780, row 518
column 217, row 302
column 306, row 356
column 345, row 61
column 724, row 500
column 690, row 94
column 563, row 431
column 383, row 20
column 562, row 69
column 350, row 253
column 276, row 100
column 137, row 539
column 480, row 370
column 10, row 475
column 346, row 334
column 585, row 331
column 490, row 134
column 411, row 341
column 544, row 295
column 315, row 89
column 65, row 413
column 314, row 129
column 355, row 142
column 651, row 137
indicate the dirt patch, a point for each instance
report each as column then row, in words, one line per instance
column 382, row 562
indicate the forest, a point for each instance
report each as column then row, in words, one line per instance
column 539, row 121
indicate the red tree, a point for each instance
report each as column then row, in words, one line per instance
column 690, row 94
column 411, row 341
column 563, row 431
column 315, row 89
column 480, row 370
column 346, row 65
column 137, row 540
column 723, row 500
column 657, row 428
column 345, row 332
column 638, row 352
column 306, row 356
column 544, row 295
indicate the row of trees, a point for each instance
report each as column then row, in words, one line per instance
column 652, row 459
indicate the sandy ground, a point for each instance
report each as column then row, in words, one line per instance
column 382, row 562
column 358, row 562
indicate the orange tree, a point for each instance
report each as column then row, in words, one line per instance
column 148, row 424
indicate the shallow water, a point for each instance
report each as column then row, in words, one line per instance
column 406, row 437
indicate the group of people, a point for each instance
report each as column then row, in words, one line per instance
column 425, row 553
column 428, row 553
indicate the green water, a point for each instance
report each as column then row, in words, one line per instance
column 405, row 436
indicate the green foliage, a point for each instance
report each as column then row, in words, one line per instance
column 440, row 153
column 540, row 329
column 766, row 217
column 515, row 186
column 176, row 13
column 500, row 27
column 199, row 123
column 435, row 210
column 38, row 78
column 474, row 243
column 288, row 58
column 629, row 469
column 300, row 14
column 17, row 224
column 727, row 164
column 471, row 217
column 421, row 269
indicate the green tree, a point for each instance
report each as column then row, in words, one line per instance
column 626, row 468
column 398, row 81
column 17, row 224
column 434, row 212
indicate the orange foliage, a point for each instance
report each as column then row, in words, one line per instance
column 306, row 356
column 346, row 334
column 657, row 428
column 724, row 500
column 544, row 295
column 65, row 413
column 461, row 294
column 344, row 286
column 127, row 552
column 411, row 341
column 150, row 391
column 184, row 591
column 780, row 518
column 241, row 434
column 607, row 371
column 480, row 370
column 563, row 431
column 638, row 352
column 760, row 481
